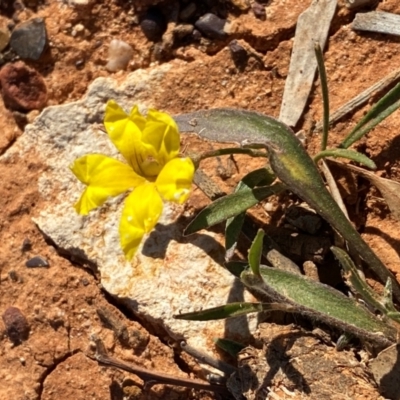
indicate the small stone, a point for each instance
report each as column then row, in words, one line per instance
column 13, row 275
column 211, row 26
column 259, row 11
column 17, row 327
column 80, row 64
column 183, row 30
column 26, row 245
column 119, row 55
column 23, row 88
column 36, row 262
column 153, row 24
column 187, row 12
column 29, row 39
column 238, row 53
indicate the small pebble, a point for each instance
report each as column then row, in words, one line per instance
column 119, row 55
column 259, row 11
column 153, row 24
column 183, row 30
column 80, row 64
column 211, row 26
column 13, row 275
column 26, row 245
column 196, row 34
column 23, row 88
column 29, row 39
column 238, row 53
column 17, row 327
column 36, row 262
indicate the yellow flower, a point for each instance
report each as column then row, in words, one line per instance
column 150, row 145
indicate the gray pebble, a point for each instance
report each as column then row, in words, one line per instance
column 17, row 327
column 211, row 26
column 153, row 24
column 36, row 262
column 29, row 39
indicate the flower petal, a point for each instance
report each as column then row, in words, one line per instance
column 162, row 134
column 125, row 131
column 141, row 211
column 175, row 180
column 104, row 177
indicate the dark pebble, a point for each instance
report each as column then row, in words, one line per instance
column 29, row 39
column 259, row 11
column 13, row 276
column 211, row 26
column 153, row 24
column 196, row 34
column 238, row 53
column 36, row 262
column 80, row 64
column 17, row 327
column 23, row 88
column 26, row 245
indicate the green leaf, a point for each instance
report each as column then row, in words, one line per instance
column 355, row 282
column 318, row 301
column 346, row 153
column 381, row 110
column 259, row 177
column 229, row 346
column 255, row 252
column 231, row 310
column 226, row 311
column 325, row 94
column 231, row 205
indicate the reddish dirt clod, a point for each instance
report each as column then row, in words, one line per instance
column 22, row 87
column 17, row 326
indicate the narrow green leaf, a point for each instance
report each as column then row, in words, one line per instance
column 226, row 311
column 229, row 346
column 381, row 110
column 346, row 153
column 231, row 205
column 259, row 177
column 255, row 252
column 354, row 280
column 325, row 94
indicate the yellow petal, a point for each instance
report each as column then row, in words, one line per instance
column 141, row 211
column 104, row 177
column 162, row 134
column 175, row 180
column 125, row 131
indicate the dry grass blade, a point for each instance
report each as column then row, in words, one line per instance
column 377, row 21
column 312, row 27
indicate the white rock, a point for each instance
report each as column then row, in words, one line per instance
column 119, row 55
column 170, row 274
